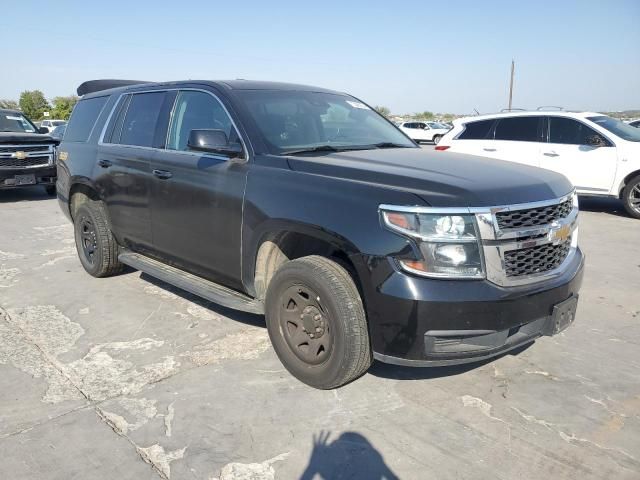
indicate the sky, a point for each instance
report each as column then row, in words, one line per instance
column 409, row 56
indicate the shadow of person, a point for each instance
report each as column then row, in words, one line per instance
column 350, row 456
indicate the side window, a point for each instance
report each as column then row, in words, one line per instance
column 83, row 119
column 480, row 130
column 197, row 110
column 568, row 131
column 139, row 125
column 522, row 129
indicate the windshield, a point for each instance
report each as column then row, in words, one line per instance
column 621, row 129
column 15, row 122
column 297, row 120
column 57, row 123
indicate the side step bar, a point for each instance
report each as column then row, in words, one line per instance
column 191, row 283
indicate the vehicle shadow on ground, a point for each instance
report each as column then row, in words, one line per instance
column 243, row 317
column 397, row 372
column 612, row 206
column 24, row 194
column 351, row 455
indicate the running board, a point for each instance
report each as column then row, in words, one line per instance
column 191, row 283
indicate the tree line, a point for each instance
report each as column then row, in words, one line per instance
column 426, row 115
column 33, row 104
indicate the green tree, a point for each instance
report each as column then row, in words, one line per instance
column 62, row 107
column 426, row 115
column 10, row 104
column 384, row 111
column 33, row 104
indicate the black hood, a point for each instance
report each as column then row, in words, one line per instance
column 441, row 179
column 20, row 138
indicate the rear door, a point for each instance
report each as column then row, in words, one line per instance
column 591, row 169
column 123, row 170
column 197, row 197
column 517, row 139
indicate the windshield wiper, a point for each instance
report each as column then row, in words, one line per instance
column 390, row 145
column 320, row 148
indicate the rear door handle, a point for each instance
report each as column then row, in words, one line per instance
column 105, row 163
column 489, row 149
column 551, row 154
column 163, row 174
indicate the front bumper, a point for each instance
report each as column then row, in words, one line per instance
column 45, row 175
column 428, row 322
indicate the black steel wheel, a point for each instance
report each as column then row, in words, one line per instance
column 631, row 197
column 316, row 322
column 97, row 248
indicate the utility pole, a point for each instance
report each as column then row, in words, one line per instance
column 513, row 67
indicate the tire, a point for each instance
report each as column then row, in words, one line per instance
column 316, row 322
column 50, row 189
column 631, row 197
column 95, row 244
column 436, row 139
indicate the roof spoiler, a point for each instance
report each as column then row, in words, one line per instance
column 91, row 86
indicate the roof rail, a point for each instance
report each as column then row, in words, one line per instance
column 92, row 86
column 549, row 107
column 513, row 110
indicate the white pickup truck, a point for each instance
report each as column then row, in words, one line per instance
column 598, row 154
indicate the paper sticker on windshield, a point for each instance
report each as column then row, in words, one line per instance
column 10, row 117
column 358, row 105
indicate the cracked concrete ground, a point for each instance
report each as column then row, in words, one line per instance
column 129, row 378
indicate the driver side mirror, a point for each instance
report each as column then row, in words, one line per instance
column 596, row 141
column 214, row 141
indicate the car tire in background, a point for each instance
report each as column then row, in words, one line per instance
column 436, row 139
column 631, row 197
column 316, row 322
column 96, row 246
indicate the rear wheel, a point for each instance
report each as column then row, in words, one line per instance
column 436, row 139
column 631, row 197
column 96, row 246
column 316, row 322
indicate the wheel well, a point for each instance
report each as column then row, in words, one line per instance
column 626, row 180
column 80, row 194
column 281, row 247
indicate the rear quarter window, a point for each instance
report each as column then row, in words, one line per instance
column 83, row 119
column 480, row 130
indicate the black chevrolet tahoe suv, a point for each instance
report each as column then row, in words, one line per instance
column 27, row 156
column 305, row 205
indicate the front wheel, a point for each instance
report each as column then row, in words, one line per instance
column 317, row 323
column 631, row 197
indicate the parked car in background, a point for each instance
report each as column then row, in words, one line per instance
column 635, row 123
column 307, row 205
column 423, row 131
column 51, row 124
column 599, row 154
column 58, row 132
column 27, row 156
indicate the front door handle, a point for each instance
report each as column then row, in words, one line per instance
column 551, row 154
column 105, row 163
column 489, row 149
column 163, row 174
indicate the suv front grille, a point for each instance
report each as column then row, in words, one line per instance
column 540, row 259
column 26, row 156
column 533, row 217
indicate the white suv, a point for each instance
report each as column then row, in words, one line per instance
column 424, row 131
column 51, row 124
column 598, row 154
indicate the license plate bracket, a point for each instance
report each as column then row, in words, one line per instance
column 25, row 179
column 563, row 314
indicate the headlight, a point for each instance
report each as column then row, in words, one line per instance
column 448, row 243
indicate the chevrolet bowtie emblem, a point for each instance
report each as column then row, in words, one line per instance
column 20, row 155
column 561, row 234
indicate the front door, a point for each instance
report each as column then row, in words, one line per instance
column 591, row 169
column 197, row 197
